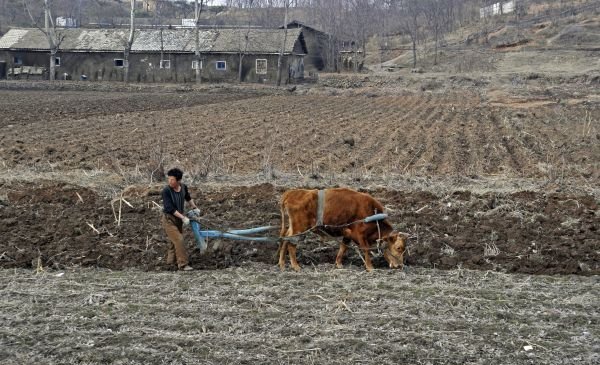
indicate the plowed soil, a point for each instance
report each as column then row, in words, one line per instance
column 421, row 134
column 526, row 232
column 476, row 186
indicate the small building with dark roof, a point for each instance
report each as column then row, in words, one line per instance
column 323, row 48
column 158, row 55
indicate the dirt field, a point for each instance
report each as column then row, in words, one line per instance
column 476, row 185
column 255, row 315
column 527, row 232
column 423, row 134
column 488, row 157
column 499, row 175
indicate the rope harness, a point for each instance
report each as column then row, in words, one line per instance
column 320, row 207
column 296, row 238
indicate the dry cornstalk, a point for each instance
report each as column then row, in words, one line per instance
column 40, row 268
column 412, row 159
column 421, row 209
column 126, row 202
column 120, row 208
column 343, row 303
column 121, row 200
column 293, row 351
column 93, row 228
column 112, row 205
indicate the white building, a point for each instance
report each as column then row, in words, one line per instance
column 497, row 9
column 66, row 22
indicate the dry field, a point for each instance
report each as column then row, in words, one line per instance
column 257, row 315
column 496, row 175
column 423, row 134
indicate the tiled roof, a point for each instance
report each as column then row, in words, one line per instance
column 12, row 37
column 259, row 40
column 172, row 40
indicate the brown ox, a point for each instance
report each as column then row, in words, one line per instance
column 341, row 206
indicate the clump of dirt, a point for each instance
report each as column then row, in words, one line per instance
column 61, row 225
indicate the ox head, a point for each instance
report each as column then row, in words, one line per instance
column 395, row 244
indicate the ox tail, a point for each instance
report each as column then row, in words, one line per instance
column 283, row 219
column 283, row 225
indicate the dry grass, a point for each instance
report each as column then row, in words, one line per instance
column 258, row 315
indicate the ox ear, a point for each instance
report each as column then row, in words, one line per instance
column 404, row 236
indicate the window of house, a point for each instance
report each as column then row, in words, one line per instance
column 17, row 60
column 195, row 65
column 57, row 61
column 261, row 67
column 119, row 62
column 165, row 63
column 221, row 65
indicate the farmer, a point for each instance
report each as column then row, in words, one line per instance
column 174, row 196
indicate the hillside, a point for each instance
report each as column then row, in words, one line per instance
column 548, row 40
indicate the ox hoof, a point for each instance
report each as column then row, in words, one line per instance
column 369, row 269
column 296, row 268
column 339, row 266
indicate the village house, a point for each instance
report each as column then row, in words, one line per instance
column 157, row 55
column 328, row 53
column 323, row 48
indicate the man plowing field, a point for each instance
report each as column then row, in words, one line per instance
column 174, row 196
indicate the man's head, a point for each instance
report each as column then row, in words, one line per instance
column 174, row 177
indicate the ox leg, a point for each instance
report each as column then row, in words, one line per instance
column 297, row 226
column 283, row 248
column 293, row 261
column 364, row 245
column 341, row 252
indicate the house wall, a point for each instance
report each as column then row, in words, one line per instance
column 211, row 74
column 145, row 67
column 317, row 46
column 322, row 51
column 319, row 51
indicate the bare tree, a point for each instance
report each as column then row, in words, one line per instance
column 244, row 41
column 129, row 42
column 328, row 14
column 286, row 4
column 184, row 7
column 199, row 7
column 53, row 36
column 410, row 24
column 434, row 14
column 245, row 34
column 362, row 14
